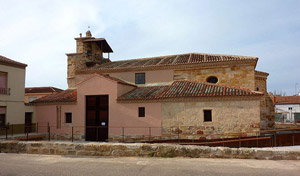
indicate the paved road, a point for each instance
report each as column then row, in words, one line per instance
column 23, row 164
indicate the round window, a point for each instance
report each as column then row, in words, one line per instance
column 212, row 79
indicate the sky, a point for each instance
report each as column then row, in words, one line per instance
column 40, row 33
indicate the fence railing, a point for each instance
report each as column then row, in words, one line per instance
column 262, row 138
column 5, row 91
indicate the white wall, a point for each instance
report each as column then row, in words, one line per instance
column 285, row 110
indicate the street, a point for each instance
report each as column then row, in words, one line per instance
column 24, row 164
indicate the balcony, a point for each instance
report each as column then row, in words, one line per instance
column 4, row 91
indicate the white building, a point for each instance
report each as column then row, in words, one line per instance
column 287, row 109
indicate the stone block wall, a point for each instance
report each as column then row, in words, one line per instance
column 237, row 76
column 229, row 117
column 75, row 62
column 144, row 150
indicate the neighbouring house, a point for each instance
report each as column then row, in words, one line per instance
column 194, row 95
column 12, row 87
column 287, row 109
column 33, row 93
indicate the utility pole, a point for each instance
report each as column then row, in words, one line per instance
column 296, row 88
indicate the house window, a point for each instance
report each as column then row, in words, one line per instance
column 32, row 99
column 68, row 117
column 2, row 116
column 290, row 108
column 140, row 78
column 141, row 111
column 212, row 79
column 207, row 115
column 3, row 83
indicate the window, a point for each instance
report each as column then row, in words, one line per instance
column 257, row 89
column 140, row 78
column 68, row 117
column 212, row 79
column 2, row 116
column 32, row 99
column 141, row 111
column 290, row 108
column 207, row 115
column 3, row 83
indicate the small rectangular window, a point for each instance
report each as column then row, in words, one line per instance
column 68, row 117
column 3, row 83
column 141, row 111
column 207, row 115
column 140, row 78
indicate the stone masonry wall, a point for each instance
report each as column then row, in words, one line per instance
column 228, row 117
column 238, row 76
column 144, row 150
column 75, row 62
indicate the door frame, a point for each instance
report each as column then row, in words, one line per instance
column 97, row 116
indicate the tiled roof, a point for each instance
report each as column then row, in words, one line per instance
column 69, row 95
column 287, row 100
column 42, row 89
column 171, row 60
column 7, row 61
column 186, row 89
column 108, row 77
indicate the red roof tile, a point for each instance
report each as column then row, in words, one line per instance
column 42, row 90
column 7, row 61
column 69, row 95
column 287, row 100
column 171, row 60
column 186, row 89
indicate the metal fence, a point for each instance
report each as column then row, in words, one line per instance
column 262, row 138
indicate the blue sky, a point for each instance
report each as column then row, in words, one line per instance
column 40, row 32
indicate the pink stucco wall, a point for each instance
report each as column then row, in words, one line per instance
column 151, row 76
column 121, row 115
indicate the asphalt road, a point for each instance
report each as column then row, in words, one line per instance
column 23, row 164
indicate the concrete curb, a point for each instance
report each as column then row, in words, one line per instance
column 145, row 150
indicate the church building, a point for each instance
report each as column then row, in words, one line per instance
column 193, row 95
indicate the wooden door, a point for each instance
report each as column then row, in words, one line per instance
column 97, row 118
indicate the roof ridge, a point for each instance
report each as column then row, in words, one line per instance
column 196, row 53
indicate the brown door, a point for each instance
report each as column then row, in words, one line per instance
column 97, row 118
column 28, row 122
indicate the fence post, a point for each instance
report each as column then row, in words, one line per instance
column 256, row 139
column 123, row 135
column 178, row 136
column 48, row 131
column 97, row 133
column 293, row 138
column 12, row 129
column 275, row 139
column 26, row 134
column 149, row 133
column 6, row 129
column 72, row 134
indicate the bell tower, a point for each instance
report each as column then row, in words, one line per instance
column 89, row 53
